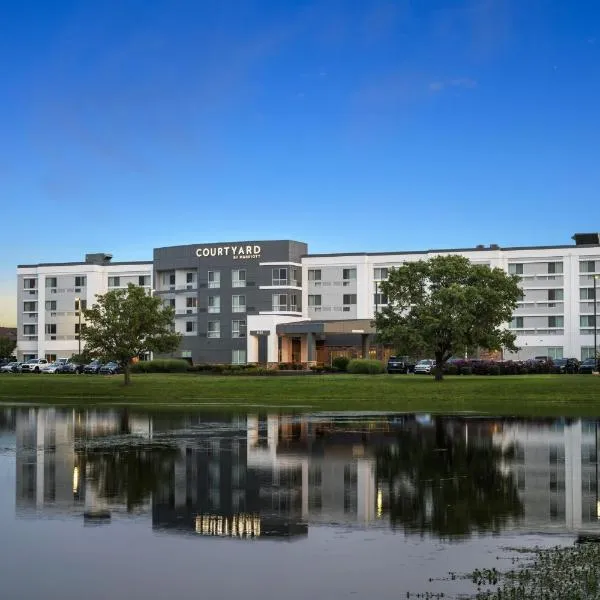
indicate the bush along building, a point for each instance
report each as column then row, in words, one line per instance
column 272, row 301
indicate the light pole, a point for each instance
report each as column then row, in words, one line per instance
column 595, row 323
column 78, row 304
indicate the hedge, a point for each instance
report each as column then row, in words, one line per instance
column 365, row 366
column 165, row 365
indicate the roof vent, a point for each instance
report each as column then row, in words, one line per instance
column 494, row 247
column 479, row 247
column 586, row 239
column 98, row 258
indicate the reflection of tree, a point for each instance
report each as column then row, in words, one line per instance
column 128, row 474
column 438, row 483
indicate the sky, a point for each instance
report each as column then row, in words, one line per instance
column 352, row 125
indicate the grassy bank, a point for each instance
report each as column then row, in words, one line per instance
column 547, row 395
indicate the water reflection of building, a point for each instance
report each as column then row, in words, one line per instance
column 555, row 465
column 51, row 476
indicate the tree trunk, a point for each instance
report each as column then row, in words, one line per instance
column 127, row 374
column 439, row 366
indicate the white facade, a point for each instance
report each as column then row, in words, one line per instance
column 48, row 297
column 554, row 318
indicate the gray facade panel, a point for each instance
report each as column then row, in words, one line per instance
column 226, row 257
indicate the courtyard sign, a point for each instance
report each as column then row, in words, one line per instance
column 236, row 252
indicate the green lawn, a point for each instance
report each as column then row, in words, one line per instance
column 541, row 395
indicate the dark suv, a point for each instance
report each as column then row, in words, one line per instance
column 400, row 364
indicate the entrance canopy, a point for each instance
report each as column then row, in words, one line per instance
column 357, row 326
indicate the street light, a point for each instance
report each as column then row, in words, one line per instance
column 595, row 322
column 78, row 305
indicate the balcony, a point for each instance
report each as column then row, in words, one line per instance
column 186, row 312
column 539, row 331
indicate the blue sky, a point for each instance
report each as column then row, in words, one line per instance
column 351, row 125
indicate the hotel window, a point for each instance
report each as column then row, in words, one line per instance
column 214, row 329
column 190, row 277
column 77, row 328
column 379, row 298
column 29, row 306
column 214, row 304
column 50, row 304
column 294, row 302
column 516, row 323
column 238, row 329
column 143, row 280
column 80, row 281
column 171, row 302
column 280, row 302
column 29, row 329
column 214, row 279
column 380, row 273
column 190, row 326
column 314, row 301
column 586, row 321
column 238, row 304
column 51, row 328
column 587, row 266
column 555, row 296
column 554, row 321
column 586, row 294
column 29, row 284
column 238, row 278
column 191, row 302
column 238, row 357
column 587, row 352
column 348, row 275
column 555, row 352
column 294, row 277
column 114, row 281
column 280, row 277
column 515, row 268
column 348, row 301
column 80, row 305
column 555, row 268
column 51, row 282
column 314, row 275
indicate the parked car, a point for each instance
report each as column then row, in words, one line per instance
column 35, row 365
column 425, row 366
column 110, row 368
column 70, row 368
column 10, row 367
column 93, row 367
column 400, row 364
column 52, row 368
column 588, row 365
column 565, row 365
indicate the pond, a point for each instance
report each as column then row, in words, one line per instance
column 117, row 503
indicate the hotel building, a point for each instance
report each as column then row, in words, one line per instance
column 272, row 301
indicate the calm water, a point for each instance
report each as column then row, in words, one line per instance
column 122, row 504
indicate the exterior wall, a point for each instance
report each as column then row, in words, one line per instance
column 549, row 327
column 258, row 259
column 62, row 312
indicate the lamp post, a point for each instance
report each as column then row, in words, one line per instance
column 595, row 322
column 78, row 304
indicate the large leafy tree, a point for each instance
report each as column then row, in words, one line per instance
column 446, row 304
column 6, row 347
column 124, row 324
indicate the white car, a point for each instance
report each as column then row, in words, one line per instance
column 35, row 365
column 52, row 367
column 9, row 368
column 425, row 366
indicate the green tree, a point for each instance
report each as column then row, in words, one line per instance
column 6, row 347
column 446, row 304
column 124, row 324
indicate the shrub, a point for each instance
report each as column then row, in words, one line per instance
column 365, row 366
column 166, row 365
column 340, row 363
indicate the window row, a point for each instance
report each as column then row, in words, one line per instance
column 280, row 276
column 348, row 275
column 32, row 306
column 552, row 268
column 213, row 328
column 50, row 329
column 555, row 321
column 238, row 303
column 30, row 283
column 143, row 281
